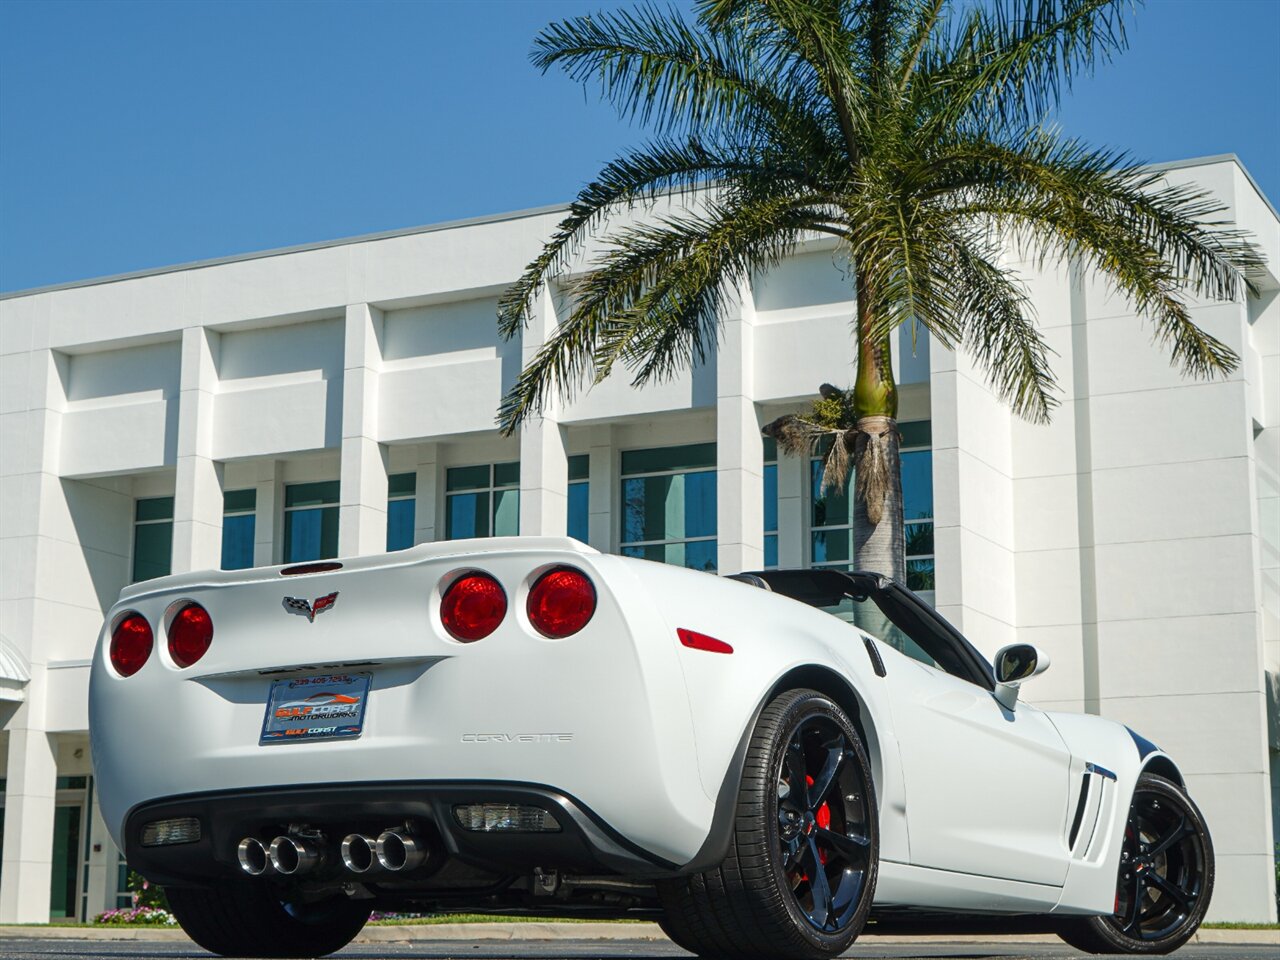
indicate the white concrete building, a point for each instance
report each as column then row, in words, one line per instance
column 340, row 398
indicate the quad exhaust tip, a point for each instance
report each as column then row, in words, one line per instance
column 392, row 851
column 399, row 850
column 254, row 858
column 359, row 853
column 294, row 856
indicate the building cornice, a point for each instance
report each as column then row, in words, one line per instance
column 476, row 221
column 297, row 248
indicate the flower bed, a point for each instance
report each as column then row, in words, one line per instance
column 137, row 916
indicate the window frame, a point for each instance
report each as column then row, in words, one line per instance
column 770, row 459
column 490, row 489
column 251, row 511
column 623, row 477
column 570, row 484
column 411, row 495
column 931, row 521
column 286, row 510
column 150, row 522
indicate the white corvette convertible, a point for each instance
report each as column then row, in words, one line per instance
column 528, row 726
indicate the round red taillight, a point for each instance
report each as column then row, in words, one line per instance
column 190, row 634
column 130, row 644
column 561, row 603
column 473, row 606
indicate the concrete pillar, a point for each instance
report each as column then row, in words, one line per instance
column 544, row 466
column 544, row 480
column 197, row 496
column 793, row 476
column 31, row 623
column 32, row 776
column 103, row 856
column 268, row 549
column 602, row 490
column 362, row 512
column 739, row 445
column 427, row 528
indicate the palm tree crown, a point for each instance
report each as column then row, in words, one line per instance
column 913, row 132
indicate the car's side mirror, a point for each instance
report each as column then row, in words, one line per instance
column 1014, row 664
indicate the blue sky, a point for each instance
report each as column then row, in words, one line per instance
column 134, row 135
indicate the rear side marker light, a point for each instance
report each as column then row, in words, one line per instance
column 473, row 607
column 166, row 833
column 505, row 818
column 561, row 603
column 131, row 643
column 190, row 634
column 700, row 641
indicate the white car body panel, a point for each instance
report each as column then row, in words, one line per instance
column 975, row 804
column 987, row 787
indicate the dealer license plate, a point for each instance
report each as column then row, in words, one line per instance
column 329, row 707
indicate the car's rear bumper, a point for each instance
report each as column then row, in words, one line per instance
column 585, row 843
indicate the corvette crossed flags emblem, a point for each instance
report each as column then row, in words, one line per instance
column 309, row 610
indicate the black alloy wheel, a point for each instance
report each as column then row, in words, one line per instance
column 800, row 873
column 823, row 838
column 1165, row 881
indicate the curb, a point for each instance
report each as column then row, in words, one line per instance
column 510, row 931
column 533, row 931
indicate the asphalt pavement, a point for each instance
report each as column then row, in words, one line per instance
column 18, row 948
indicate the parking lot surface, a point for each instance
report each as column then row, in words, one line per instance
column 18, row 948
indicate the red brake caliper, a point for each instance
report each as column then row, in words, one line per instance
column 822, row 817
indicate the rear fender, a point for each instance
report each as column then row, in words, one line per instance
column 777, row 644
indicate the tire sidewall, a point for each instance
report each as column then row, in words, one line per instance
column 803, row 705
column 248, row 919
column 1105, row 927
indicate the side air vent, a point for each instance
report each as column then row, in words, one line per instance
column 1080, row 805
column 1096, row 798
column 877, row 662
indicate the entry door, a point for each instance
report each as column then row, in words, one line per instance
column 64, row 883
column 987, row 788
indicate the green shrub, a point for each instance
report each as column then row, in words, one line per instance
column 145, row 893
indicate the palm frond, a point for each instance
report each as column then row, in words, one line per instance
column 1155, row 245
column 1010, row 61
column 999, row 331
column 656, row 68
column 798, row 436
column 638, row 177
column 653, row 299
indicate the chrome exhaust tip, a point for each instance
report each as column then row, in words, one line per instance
column 253, row 856
column 293, row 856
column 399, row 850
column 359, row 853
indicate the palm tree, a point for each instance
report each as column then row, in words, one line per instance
column 913, row 132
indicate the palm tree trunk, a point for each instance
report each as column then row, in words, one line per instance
column 878, row 540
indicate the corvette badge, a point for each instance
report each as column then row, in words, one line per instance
column 309, row 610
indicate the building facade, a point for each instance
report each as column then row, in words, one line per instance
column 339, row 399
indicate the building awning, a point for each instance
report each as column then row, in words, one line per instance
column 14, row 671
